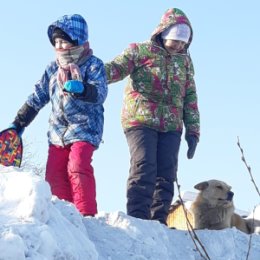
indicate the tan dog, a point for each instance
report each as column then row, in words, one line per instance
column 213, row 208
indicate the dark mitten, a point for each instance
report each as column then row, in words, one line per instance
column 192, row 141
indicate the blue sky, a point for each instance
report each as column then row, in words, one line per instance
column 225, row 53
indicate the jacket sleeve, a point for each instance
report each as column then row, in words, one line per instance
column 40, row 97
column 191, row 116
column 24, row 116
column 122, row 65
column 95, row 83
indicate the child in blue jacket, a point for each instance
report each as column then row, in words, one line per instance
column 75, row 84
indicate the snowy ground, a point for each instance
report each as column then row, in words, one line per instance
column 36, row 226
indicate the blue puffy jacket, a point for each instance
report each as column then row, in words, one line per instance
column 72, row 119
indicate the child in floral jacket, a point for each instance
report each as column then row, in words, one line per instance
column 159, row 98
column 75, row 84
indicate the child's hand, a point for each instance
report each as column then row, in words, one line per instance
column 73, row 86
column 18, row 129
column 192, row 141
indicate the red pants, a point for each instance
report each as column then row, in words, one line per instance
column 71, row 176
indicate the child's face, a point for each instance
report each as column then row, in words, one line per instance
column 62, row 44
column 173, row 46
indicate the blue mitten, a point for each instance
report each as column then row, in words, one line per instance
column 73, row 86
column 18, row 129
column 192, row 141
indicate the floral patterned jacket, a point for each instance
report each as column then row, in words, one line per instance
column 160, row 92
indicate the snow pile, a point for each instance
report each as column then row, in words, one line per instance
column 36, row 226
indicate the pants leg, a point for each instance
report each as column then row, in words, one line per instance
column 56, row 172
column 142, row 144
column 81, row 176
column 167, row 164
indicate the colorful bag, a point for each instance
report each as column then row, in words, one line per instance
column 11, row 148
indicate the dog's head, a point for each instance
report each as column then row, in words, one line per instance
column 215, row 192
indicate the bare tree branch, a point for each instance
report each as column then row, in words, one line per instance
column 247, row 166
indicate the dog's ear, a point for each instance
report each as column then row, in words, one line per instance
column 202, row 185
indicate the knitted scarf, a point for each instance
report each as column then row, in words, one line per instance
column 69, row 61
